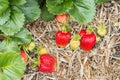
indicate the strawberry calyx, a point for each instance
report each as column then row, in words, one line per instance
column 65, row 28
column 90, row 29
column 76, row 37
column 102, row 27
column 36, row 62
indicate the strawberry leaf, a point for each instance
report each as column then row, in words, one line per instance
column 3, row 76
column 11, row 65
column 15, row 22
column 31, row 10
column 58, row 6
column 22, row 37
column 4, row 16
column 17, row 2
column 3, row 5
column 101, row 1
column 46, row 15
column 83, row 11
column 9, row 46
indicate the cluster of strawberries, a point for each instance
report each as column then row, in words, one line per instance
column 85, row 39
column 45, row 61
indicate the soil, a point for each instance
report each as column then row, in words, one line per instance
column 101, row 63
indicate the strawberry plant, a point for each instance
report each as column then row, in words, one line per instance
column 13, row 15
column 77, row 9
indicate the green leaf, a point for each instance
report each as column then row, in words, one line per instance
column 83, row 11
column 8, row 46
column 12, row 65
column 3, row 5
column 15, row 23
column 4, row 77
column 101, row 1
column 31, row 10
column 58, row 6
column 46, row 15
column 22, row 37
column 4, row 16
column 17, row 2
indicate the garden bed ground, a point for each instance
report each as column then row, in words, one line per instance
column 101, row 63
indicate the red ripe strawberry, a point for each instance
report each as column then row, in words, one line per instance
column 82, row 32
column 23, row 55
column 62, row 18
column 62, row 38
column 47, row 63
column 88, row 41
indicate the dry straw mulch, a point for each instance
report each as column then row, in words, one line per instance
column 101, row 63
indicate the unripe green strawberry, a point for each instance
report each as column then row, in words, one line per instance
column 31, row 46
column 101, row 30
column 41, row 50
column 75, row 42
